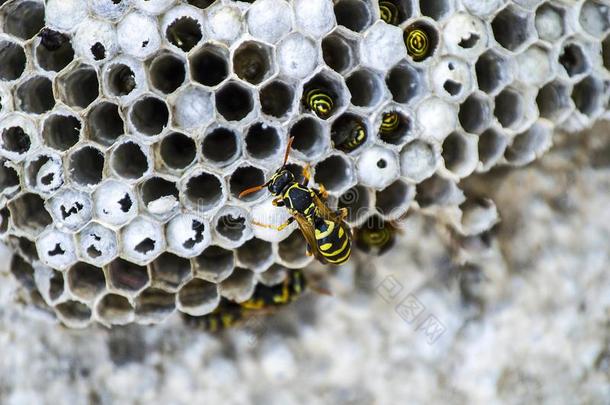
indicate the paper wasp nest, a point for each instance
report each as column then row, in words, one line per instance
column 124, row 149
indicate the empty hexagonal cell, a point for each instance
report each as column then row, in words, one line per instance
column 493, row 71
column 220, row 146
column 214, row 264
column 29, row 214
column 13, row 60
column 130, row 160
column 198, row 298
column 309, row 136
column 120, row 79
column 177, row 151
column 245, row 177
column 357, row 201
column 554, row 100
column 395, row 12
column 184, row 32
column 70, row 208
column 435, row 9
column 475, row 113
column 115, row 309
column 253, row 62
column 202, row 191
column 61, row 130
column 460, row 153
column 23, row 246
column 104, row 123
column 421, row 39
column 209, row 65
column 143, row 240
column 55, row 285
column 255, row 255
column 231, row 226
column 355, row 15
column 335, row 173
column 154, row 305
column 550, row 22
column 22, row 271
column 276, row 99
column 377, row 167
column 395, row 127
column 512, row 28
column 418, row 160
column 438, row 190
column 79, row 86
column 115, row 203
column 160, row 196
column 166, row 72
column 85, row 281
column 85, row 165
column 393, row 201
column 74, row 314
column 292, row 251
column 239, row 286
column 169, row 271
column 492, row 144
column 54, row 52
column 324, row 94
column 349, row 132
column 56, row 249
column 595, row 17
column 23, row 19
column 188, row 235
column 573, row 59
column 527, row 145
column 35, row 95
column 149, row 116
column 126, row 276
column 365, row 87
column 263, row 141
column 9, row 181
column 405, row 83
column 509, row 108
column 234, row 101
column 338, row 52
column 588, row 96
column 97, row 244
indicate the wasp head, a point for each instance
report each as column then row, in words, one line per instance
column 280, row 180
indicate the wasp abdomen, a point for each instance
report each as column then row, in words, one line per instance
column 333, row 240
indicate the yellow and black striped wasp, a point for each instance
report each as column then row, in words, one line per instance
column 328, row 236
column 348, row 133
column 319, row 101
column 375, row 236
column 389, row 12
column 418, row 44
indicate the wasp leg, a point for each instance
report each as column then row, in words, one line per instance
column 277, row 228
column 308, row 251
column 341, row 213
column 322, row 192
column 278, row 202
column 306, row 175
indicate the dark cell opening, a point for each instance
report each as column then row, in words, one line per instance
column 184, row 33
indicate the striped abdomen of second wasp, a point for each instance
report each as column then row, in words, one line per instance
column 277, row 295
column 225, row 316
column 333, row 240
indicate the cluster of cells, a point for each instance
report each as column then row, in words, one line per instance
column 129, row 128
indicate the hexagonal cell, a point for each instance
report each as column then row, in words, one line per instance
column 393, row 201
column 188, row 235
column 349, row 132
column 465, row 35
column 534, row 65
column 54, row 52
column 35, row 95
column 55, row 288
column 437, row 190
column 104, row 123
column 512, row 28
column 338, row 52
column 56, row 249
column 365, row 87
column 85, row 281
column 588, row 96
column 492, row 72
column 550, row 22
column 452, row 78
column 527, row 145
column 234, row 101
column 269, row 20
column 115, row 203
column 263, row 141
column 595, row 17
column 492, row 144
column 115, row 309
column 253, row 62
column 435, row 9
column 22, row 271
column 225, row 23
column 198, row 298
column 126, row 276
column 193, row 107
column 395, row 12
column 245, row 177
column 460, row 154
column 202, row 191
column 43, row 172
column 177, row 151
column 120, row 79
column 314, row 17
column 277, row 99
column 154, row 305
column 86, row 165
column 309, row 136
column 324, row 94
column 297, row 56
column 16, row 141
column 29, row 214
column 70, row 208
column 421, row 39
column 220, row 146
column 214, row 264
column 377, row 167
column 169, row 272
column 13, row 60
column 141, row 42
column 79, row 86
column 26, row 248
column 292, row 252
column 231, row 227
column 130, row 160
column 357, row 201
column 9, row 183
column 395, row 127
column 166, row 72
column 405, row 83
column 335, row 173
column 354, row 15
column 573, row 59
column 475, row 113
column 61, row 130
column 255, row 255
column 74, row 314
column 418, row 160
column 23, row 19
column 184, row 32
column 143, row 240
column 209, row 65
column 553, row 100
column 149, row 115
column 239, row 286
column 159, row 196
column 97, row 244
column 509, row 108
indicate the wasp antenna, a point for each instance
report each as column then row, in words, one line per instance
column 288, row 147
column 250, row 190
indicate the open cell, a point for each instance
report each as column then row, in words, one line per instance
column 529, row 144
column 115, row 309
column 509, row 108
column 276, row 99
column 435, row 9
column 167, row 72
column 209, row 65
column 74, row 313
column 334, row 173
column 159, row 195
column 348, row 132
column 355, row 15
column 29, row 213
column 245, row 177
column 255, row 254
column 86, row 165
column 365, row 87
column 61, row 131
column 231, row 225
column 9, row 179
column 292, row 250
column 357, row 201
column 475, row 114
column 234, row 101
column 308, row 134
column 149, row 115
column 177, row 151
column 325, row 90
column 184, row 32
column 129, row 160
column 435, row 190
column 35, row 95
column 405, row 83
column 121, row 79
column 492, row 72
column 553, row 100
column 22, row 271
column 492, row 144
column 573, row 59
column 104, row 123
column 393, row 201
column 337, row 52
column 253, row 62
column 421, row 39
column 587, row 96
column 203, row 190
column 24, row 19
column 395, row 127
column 198, row 297
column 15, row 140
column 220, row 146
column 262, row 141
column 154, row 305
column 13, row 60
column 512, row 28
column 239, row 286
column 56, row 57
column 202, row 4
column 79, row 87
column 85, row 281
column 169, row 271
column 127, row 276
column 460, row 154
column 214, row 264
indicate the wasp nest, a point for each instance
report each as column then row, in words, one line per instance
column 128, row 129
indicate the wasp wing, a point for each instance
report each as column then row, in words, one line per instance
column 309, row 233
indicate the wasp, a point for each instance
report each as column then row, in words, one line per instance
column 390, row 122
column 320, row 102
column 350, row 135
column 328, row 236
column 418, row 44
column 389, row 12
column 376, row 236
